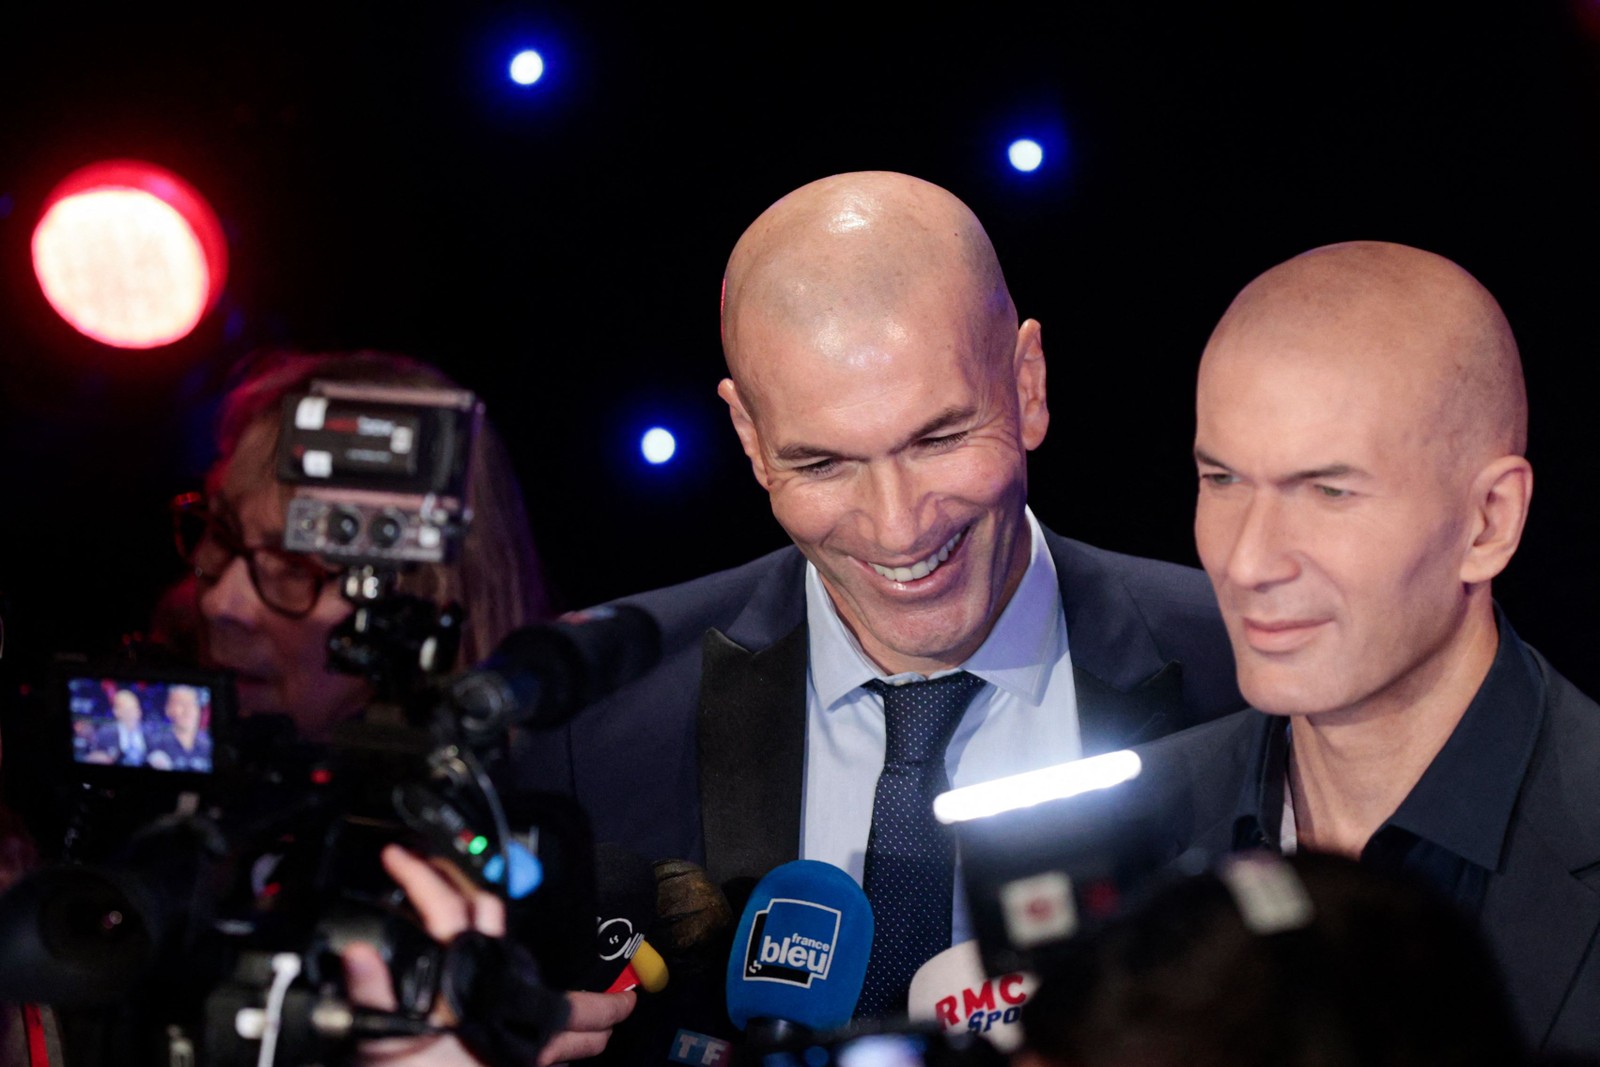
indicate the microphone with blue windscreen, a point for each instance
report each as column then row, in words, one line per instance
column 800, row 953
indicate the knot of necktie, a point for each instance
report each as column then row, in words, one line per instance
column 922, row 716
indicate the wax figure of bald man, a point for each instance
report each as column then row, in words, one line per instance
column 887, row 397
column 1361, row 422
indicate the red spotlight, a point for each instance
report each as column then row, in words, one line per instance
column 129, row 254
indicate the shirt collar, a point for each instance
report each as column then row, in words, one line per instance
column 1258, row 813
column 1018, row 655
column 1464, row 800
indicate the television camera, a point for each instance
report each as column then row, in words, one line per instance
column 200, row 911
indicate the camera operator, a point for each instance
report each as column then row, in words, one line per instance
column 265, row 613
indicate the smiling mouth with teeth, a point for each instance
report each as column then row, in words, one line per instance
column 922, row 568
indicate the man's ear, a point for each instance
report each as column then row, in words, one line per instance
column 1501, row 493
column 1028, row 363
column 745, row 427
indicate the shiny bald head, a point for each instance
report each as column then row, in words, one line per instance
column 1359, row 427
column 1408, row 319
column 887, row 399
column 855, row 249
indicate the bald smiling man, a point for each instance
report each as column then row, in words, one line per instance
column 887, row 397
column 1361, row 423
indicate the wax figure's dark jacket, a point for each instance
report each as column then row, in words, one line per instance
column 1505, row 821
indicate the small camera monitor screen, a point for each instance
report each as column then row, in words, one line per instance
column 155, row 725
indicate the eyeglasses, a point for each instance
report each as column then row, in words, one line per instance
column 209, row 538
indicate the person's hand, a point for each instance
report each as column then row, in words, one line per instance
column 446, row 907
column 159, row 760
column 589, row 1028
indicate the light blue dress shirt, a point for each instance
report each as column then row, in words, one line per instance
column 1025, row 718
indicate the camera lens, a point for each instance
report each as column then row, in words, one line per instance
column 343, row 526
column 386, row 530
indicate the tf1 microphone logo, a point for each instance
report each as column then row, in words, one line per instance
column 791, row 941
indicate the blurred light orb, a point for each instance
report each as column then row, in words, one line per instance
column 527, row 67
column 658, row 445
column 1025, row 155
column 129, row 254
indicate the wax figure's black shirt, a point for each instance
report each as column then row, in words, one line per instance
column 1505, row 821
column 1450, row 830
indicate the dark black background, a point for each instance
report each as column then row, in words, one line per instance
column 560, row 249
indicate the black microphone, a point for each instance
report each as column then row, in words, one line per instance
column 544, row 674
column 696, row 920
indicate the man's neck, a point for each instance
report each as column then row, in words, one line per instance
column 1351, row 768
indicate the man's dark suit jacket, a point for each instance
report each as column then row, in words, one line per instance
column 701, row 759
column 1540, row 897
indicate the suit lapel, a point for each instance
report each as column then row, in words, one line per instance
column 1543, row 923
column 1127, row 691
column 1110, row 718
column 1542, row 909
column 752, row 735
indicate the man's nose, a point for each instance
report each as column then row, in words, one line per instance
column 894, row 506
column 1263, row 551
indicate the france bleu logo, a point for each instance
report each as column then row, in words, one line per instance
column 791, row 941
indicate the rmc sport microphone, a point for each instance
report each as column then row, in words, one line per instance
column 953, row 991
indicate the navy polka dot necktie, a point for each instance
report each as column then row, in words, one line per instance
column 910, row 871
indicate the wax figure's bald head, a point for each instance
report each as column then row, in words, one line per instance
column 887, row 398
column 1360, row 424
column 1406, row 318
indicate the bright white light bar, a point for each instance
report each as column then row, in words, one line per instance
column 1035, row 787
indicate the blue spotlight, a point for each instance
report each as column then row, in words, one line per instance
column 527, row 67
column 658, row 445
column 1025, row 155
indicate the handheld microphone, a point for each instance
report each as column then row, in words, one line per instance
column 954, row 991
column 544, row 674
column 800, row 953
column 625, row 902
column 695, row 918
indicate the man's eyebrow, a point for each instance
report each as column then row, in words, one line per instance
column 1332, row 470
column 796, row 452
column 950, row 416
column 1312, row 474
